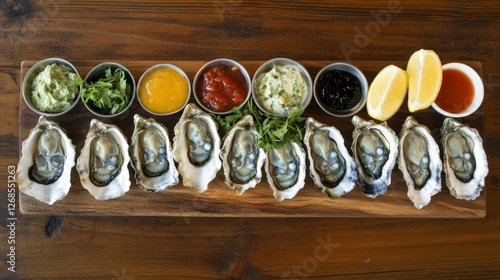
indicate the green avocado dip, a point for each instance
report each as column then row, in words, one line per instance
column 54, row 89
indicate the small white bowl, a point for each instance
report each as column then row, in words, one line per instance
column 477, row 84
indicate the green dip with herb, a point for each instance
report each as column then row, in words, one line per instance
column 54, row 89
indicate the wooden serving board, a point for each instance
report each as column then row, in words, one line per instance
column 221, row 201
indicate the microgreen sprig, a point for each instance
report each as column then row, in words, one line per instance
column 108, row 95
column 274, row 132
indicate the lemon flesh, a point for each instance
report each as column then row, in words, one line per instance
column 425, row 75
column 387, row 93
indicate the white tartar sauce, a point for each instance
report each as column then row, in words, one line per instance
column 282, row 89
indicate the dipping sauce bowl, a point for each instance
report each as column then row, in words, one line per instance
column 164, row 89
column 340, row 89
column 461, row 93
column 59, row 84
column 221, row 85
column 281, row 86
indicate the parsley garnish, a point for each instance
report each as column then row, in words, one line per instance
column 274, row 132
column 108, row 95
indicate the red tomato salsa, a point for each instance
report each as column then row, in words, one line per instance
column 222, row 88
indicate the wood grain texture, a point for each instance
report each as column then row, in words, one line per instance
column 117, row 247
column 220, row 200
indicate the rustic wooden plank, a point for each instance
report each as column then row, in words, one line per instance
column 219, row 200
column 139, row 247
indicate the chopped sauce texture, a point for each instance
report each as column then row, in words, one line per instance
column 222, row 88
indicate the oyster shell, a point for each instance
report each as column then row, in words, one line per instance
column 196, row 148
column 286, row 170
column 375, row 148
column 242, row 159
column 44, row 170
column 419, row 161
column 464, row 159
column 103, row 161
column 331, row 167
column 151, row 155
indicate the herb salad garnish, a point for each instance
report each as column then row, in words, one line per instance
column 108, row 95
column 274, row 132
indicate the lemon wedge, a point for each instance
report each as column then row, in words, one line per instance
column 424, row 79
column 386, row 93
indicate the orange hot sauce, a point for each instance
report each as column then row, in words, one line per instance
column 456, row 93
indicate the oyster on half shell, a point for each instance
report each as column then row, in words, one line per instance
column 103, row 161
column 464, row 159
column 419, row 161
column 44, row 170
column 151, row 155
column 375, row 148
column 286, row 170
column 242, row 159
column 332, row 169
column 196, row 148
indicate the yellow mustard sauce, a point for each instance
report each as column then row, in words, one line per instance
column 163, row 91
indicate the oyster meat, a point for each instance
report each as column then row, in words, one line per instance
column 44, row 170
column 196, row 148
column 331, row 167
column 375, row 148
column 286, row 170
column 242, row 159
column 102, row 164
column 151, row 155
column 464, row 159
column 419, row 161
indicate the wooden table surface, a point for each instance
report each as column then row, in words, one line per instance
column 186, row 247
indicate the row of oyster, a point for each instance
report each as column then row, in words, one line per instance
column 48, row 156
column 376, row 149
